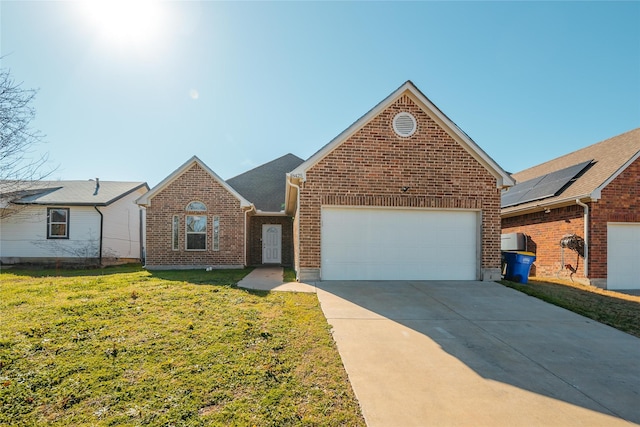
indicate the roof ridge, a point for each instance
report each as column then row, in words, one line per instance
column 580, row 150
column 288, row 155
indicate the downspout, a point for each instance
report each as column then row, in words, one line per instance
column 100, row 239
column 297, row 253
column 246, row 234
column 143, row 243
column 586, row 237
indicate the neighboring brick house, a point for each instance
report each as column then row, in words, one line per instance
column 592, row 193
column 194, row 219
column 403, row 193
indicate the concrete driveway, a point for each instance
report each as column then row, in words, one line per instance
column 478, row 354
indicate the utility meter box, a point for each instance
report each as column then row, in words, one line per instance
column 513, row 242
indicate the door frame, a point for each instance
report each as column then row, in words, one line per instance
column 265, row 260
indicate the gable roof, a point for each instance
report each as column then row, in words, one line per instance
column 609, row 158
column 265, row 185
column 68, row 193
column 145, row 199
column 503, row 179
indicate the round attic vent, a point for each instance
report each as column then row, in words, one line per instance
column 404, row 124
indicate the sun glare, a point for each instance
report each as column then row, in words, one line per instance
column 125, row 22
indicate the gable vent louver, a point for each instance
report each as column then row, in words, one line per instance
column 404, row 124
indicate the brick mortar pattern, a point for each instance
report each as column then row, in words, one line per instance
column 255, row 238
column 194, row 184
column 619, row 202
column 544, row 232
column 371, row 167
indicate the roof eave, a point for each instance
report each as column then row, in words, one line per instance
column 54, row 203
column 503, row 179
column 558, row 203
column 291, row 193
column 145, row 199
column 597, row 193
column 268, row 213
column 126, row 193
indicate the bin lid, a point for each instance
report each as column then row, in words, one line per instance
column 525, row 253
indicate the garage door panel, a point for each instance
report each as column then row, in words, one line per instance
column 403, row 244
column 623, row 256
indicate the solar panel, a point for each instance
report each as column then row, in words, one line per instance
column 542, row 187
column 518, row 191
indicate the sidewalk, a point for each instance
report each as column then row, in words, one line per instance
column 270, row 279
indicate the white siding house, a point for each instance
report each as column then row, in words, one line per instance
column 71, row 222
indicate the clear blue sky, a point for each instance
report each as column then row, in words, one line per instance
column 239, row 84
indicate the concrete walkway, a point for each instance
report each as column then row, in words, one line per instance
column 478, row 354
column 270, row 279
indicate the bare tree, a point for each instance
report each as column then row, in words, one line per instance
column 19, row 167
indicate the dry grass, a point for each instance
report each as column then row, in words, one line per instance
column 616, row 309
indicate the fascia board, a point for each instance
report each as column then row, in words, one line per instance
column 300, row 171
column 267, row 213
column 54, row 203
column 568, row 201
column 126, row 193
column 503, row 179
column 287, row 192
column 597, row 193
column 145, row 200
column 291, row 194
column 244, row 203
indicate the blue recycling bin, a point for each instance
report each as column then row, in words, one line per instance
column 518, row 265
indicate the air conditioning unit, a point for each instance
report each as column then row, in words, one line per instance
column 513, row 242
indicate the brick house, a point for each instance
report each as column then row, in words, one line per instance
column 592, row 194
column 194, row 219
column 270, row 231
column 402, row 193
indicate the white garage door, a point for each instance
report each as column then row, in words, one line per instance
column 623, row 255
column 399, row 244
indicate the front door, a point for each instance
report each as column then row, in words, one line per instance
column 271, row 243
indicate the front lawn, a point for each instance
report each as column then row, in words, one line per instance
column 615, row 309
column 124, row 346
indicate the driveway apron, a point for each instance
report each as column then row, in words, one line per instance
column 478, row 354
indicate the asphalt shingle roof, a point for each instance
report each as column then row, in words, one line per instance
column 608, row 157
column 70, row 193
column 265, row 185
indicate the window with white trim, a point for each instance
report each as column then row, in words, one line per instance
column 57, row 223
column 196, row 231
column 216, row 233
column 196, row 207
column 175, row 233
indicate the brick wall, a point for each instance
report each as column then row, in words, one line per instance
column 544, row 231
column 370, row 168
column 619, row 202
column 195, row 184
column 255, row 238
